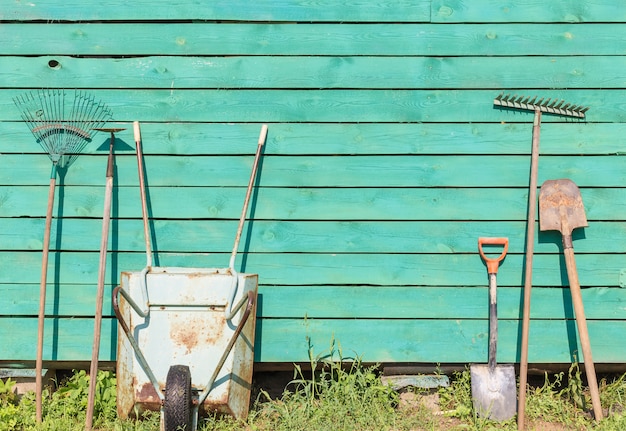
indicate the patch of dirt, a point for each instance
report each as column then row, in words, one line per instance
column 410, row 401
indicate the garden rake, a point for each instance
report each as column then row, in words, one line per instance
column 62, row 123
column 538, row 106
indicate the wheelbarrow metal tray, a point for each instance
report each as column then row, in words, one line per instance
column 186, row 325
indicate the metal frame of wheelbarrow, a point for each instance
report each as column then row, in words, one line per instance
column 231, row 310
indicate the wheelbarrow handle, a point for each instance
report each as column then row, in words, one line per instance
column 143, row 362
column 493, row 263
column 249, row 301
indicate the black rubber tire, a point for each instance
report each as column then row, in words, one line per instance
column 178, row 405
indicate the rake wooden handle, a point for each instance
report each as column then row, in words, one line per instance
column 42, row 300
column 528, row 271
column 583, row 333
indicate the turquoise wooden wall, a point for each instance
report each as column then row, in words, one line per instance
column 385, row 161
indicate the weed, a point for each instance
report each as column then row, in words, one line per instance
column 550, row 403
column 7, row 392
column 456, row 399
column 339, row 395
column 574, row 390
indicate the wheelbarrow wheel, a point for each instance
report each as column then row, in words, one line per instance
column 177, row 405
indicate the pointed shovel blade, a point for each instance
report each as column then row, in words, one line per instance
column 561, row 206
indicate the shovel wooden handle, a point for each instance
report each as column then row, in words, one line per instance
column 583, row 333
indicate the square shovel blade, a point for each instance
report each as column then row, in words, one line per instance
column 494, row 391
column 561, row 206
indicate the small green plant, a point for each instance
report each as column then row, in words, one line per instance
column 456, row 399
column 339, row 394
column 7, row 392
column 551, row 403
column 8, row 405
column 574, row 390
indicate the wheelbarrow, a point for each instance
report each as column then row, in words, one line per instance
column 188, row 348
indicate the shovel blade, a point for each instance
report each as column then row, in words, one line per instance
column 561, row 206
column 494, row 392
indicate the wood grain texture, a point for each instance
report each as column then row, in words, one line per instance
column 323, row 171
column 410, row 269
column 327, row 11
column 444, row 341
column 578, row 11
column 307, row 72
column 321, row 204
column 66, row 339
column 287, row 39
column 363, row 301
column 189, row 10
column 192, row 139
column 304, row 236
column 351, row 106
column 291, row 340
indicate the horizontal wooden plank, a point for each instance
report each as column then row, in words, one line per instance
column 291, row 340
column 214, row 236
column 393, row 269
column 433, row 341
column 64, row 340
column 61, row 300
column 397, row 302
column 335, row 106
column 578, row 11
column 567, row 138
column 345, row 39
column 261, row 10
column 321, row 171
column 350, row 302
column 314, row 72
column 349, row 204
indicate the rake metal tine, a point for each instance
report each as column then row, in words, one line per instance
column 501, row 99
column 61, row 122
column 533, row 103
column 567, row 111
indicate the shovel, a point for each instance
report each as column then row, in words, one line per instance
column 561, row 208
column 493, row 386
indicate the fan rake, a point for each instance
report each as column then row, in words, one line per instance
column 62, row 124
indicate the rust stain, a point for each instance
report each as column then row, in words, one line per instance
column 219, row 406
column 193, row 332
column 146, row 396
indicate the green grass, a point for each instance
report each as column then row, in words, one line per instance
column 335, row 394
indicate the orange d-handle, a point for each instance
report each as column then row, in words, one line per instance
column 492, row 264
